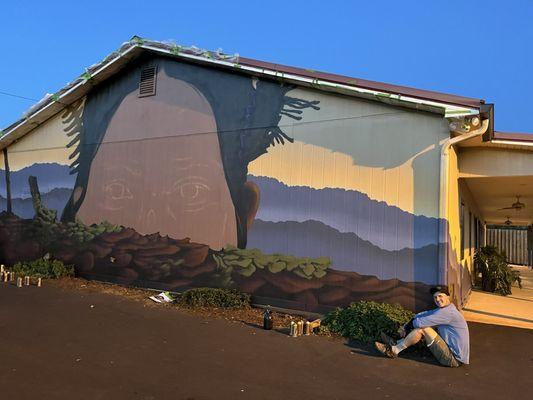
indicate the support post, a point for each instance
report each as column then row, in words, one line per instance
column 8, row 182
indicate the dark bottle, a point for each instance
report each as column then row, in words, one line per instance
column 268, row 320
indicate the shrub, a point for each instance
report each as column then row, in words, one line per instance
column 365, row 320
column 44, row 268
column 496, row 275
column 213, row 297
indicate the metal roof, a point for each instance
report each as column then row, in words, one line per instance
column 502, row 140
column 372, row 85
column 444, row 104
column 522, row 141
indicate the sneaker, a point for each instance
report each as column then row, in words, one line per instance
column 387, row 339
column 385, row 349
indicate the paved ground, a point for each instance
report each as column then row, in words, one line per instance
column 66, row 344
column 514, row 310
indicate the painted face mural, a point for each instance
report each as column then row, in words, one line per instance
column 159, row 169
column 176, row 163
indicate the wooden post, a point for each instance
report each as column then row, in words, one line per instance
column 8, row 182
column 35, row 194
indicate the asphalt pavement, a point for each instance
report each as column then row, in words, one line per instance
column 69, row 344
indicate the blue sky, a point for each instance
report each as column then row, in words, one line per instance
column 479, row 49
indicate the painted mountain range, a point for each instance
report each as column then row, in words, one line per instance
column 346, row 211
column 54, row 200
column 55, row 185
column 49, row 176
column 347, row 251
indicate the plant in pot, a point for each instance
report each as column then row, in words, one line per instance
column 496, row 275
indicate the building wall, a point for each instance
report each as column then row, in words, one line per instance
column 360, row 183
column 462, row 214
column 44, row 154
column 302, row 198
column 493, row 162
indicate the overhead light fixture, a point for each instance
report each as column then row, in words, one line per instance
column 464, row 124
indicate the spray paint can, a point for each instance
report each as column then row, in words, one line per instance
column 268, row 319
column 293, row 332
column 26, row 280
column 2, row 268
column 19, row 282
column 307, row 328
column 39, row 282
column 5, row 276
column 12, row 276
column 300, row 328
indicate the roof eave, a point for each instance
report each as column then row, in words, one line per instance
column 133, row 50
column 448, row 110
column 522, row 140
column 76, row 92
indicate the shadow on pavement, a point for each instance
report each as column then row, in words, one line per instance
column 417, row 353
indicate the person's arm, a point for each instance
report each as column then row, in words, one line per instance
column 423, row 313
column 408, row 327
column 438, row 316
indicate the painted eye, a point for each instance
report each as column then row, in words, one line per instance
column 192, row 188
column 193, row 191
column 117, row 191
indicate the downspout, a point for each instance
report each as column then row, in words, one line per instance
column 443, row 200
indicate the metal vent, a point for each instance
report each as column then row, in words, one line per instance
column 148, row 81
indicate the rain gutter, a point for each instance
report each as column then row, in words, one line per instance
column 512, row 142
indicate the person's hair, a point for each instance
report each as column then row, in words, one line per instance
column 439, row 289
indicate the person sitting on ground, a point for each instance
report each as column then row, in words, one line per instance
column 450, row 346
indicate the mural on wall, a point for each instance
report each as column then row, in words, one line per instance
column 204, row 128
column 361, row 184
column 226, row 180
column 44, row 156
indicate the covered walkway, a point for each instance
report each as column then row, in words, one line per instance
column 496, row 185
column 514, row 310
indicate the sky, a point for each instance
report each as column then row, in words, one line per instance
column 480, row 49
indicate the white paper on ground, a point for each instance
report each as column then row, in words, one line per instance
column 163, row 297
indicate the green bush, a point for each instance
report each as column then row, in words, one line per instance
column 212, row 297
column 365, row 320
column 496, row 275
column 44, row 268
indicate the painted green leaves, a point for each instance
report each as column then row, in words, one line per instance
column 80, row 232
column 247, row 261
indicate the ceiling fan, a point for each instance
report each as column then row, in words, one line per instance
column 518, row 205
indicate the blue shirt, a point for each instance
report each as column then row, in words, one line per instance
column 452, row 328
